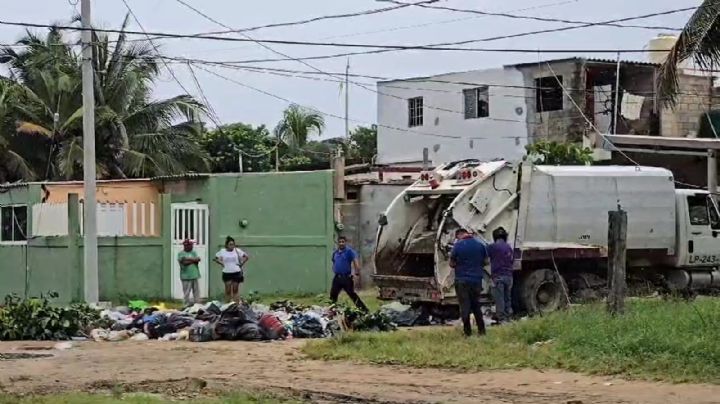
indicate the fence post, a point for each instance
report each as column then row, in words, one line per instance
column 73, row 233
column 617, row 254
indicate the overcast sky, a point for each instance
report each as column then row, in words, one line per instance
column 406, row 26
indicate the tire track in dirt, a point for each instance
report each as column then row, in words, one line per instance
column 188, row 370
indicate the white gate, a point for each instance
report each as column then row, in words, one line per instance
column 189, row 221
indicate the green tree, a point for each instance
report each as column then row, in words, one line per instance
column 298, row 124
column 224, row 145
column 554, row 153
column 135, row 135
column 363, row 144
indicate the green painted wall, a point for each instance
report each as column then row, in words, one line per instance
column 289, row 235
column 289, row 232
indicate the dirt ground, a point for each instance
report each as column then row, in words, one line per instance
column 187, row 370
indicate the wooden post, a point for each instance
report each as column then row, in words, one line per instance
column 617, row 253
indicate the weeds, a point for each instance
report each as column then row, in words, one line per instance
column 658, row 340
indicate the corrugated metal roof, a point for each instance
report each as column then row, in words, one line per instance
column 586, row 60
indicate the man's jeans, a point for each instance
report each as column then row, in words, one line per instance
column 191, row 286
column 502, row 293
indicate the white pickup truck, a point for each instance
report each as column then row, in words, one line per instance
column 557, row 219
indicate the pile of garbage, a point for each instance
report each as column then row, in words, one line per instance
column 233, row 322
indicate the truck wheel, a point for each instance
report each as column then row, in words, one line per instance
column 542, row 291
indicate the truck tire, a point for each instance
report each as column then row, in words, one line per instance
column 542, row 291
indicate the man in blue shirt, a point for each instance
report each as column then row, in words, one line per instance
column 467, row 258
column 501, row 265
column 344, row 261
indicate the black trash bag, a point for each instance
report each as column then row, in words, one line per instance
column 250, row 332
column 305, row 326
column 180, row 321
column 232, row 318
column 201, row 332
column 405, row 317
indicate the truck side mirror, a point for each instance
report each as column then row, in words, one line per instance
column 382, row 221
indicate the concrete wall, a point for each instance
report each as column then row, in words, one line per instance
column 289, row 235
column 563, row 125
column 360, row 221
column 290, row 228
column 693, row 99
column 445, row 131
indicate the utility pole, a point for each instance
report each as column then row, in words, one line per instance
column 616, row 107
column 347, row 99
column 90, row 248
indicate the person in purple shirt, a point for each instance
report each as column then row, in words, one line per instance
column 501, row 267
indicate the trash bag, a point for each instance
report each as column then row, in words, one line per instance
column 201, row 332
column 138, row 305
column 272, row 326
column 249, row 332
column 232, row 318
column 400, row 314
column 180, row 320
column 308, row 326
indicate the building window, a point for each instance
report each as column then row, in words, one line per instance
column 13, row 220
column 415, row 111
column 477, row 102
column 549, row 94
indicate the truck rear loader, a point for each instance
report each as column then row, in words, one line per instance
column 557, row 220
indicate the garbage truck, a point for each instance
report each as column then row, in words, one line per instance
column 557, row 220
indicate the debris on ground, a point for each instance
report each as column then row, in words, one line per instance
column 235, row 322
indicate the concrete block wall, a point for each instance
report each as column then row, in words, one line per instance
column 567, row 124
column 693, row 100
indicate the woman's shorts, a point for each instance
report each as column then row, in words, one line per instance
column 236, row 277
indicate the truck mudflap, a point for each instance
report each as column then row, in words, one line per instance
column 408, row 288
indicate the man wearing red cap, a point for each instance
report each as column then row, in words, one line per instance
column 189, row 272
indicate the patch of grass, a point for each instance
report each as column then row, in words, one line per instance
column 139, row 398
column 657, row 340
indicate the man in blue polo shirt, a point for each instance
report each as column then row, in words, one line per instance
column 467, row 258
column 344, row 261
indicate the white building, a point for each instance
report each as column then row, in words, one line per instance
column 476, row 114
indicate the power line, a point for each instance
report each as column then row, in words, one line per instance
column 333, row 44
column 526, row 17
column 487, row 39
column 321, row 18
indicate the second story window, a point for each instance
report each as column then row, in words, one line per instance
column 477, row 102
column 415, row 111
column 548, row 94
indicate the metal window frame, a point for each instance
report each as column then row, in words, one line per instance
column 14, row 242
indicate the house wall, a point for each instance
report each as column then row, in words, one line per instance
column 445, row 131
column 290, row 228
column 693, row 99
column 563, row 125
column 128, row 266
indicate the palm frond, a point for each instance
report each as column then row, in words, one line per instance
column 699, row 40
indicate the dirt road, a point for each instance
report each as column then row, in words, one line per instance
column 184, row 369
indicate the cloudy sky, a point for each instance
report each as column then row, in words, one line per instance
column 405, row 26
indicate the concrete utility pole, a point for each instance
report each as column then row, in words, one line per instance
column 347, row 99
column 90, row 247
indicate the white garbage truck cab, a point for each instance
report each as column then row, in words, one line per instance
column 557, row 221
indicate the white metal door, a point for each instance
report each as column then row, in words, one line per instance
column 189, row 221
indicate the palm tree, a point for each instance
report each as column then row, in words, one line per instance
column 699, row 40
column 135, row 136
column 297, row 124
column 13, row 167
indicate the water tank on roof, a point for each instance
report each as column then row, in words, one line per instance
column 661, row 43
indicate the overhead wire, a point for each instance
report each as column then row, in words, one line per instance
column 534, row 18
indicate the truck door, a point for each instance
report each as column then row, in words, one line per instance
column 703, row 229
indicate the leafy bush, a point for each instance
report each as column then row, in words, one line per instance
column 37, row 319
column 554, row 153
column 358, row 320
